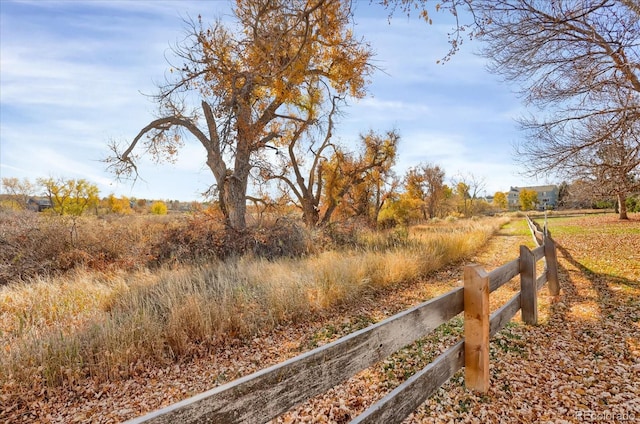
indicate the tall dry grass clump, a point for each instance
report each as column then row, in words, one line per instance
column 112, row 325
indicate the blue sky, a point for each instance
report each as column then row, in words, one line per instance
column 72, row 74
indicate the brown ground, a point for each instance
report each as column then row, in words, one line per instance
column 580, row 364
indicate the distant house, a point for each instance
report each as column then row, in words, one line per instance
column 547, row 196
column 39, row 204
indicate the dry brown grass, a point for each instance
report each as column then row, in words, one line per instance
column 41, row 244
column 111, row 325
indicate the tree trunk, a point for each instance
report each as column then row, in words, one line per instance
column 327, row 214
column 431, row 205
column 376, row 212
column 234, row 202
column 232, row 192
column 310, row 214
column 622, row 206
column 232, row 184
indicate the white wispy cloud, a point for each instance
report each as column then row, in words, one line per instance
column 72, row 73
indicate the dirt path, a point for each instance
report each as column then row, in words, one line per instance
column 570, row 362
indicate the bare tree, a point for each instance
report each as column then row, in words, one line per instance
column 249, row 84
column 578, row 62
column 633, row 5
column 18, row 191
column 612, row 167
column 469, row 186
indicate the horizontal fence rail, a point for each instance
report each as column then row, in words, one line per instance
column 266, row 394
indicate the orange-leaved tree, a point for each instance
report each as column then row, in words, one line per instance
column 120, row 205
column 528, row 199
column 425, row 184
column 256, row 84
column 500, row 200
column 358, row 184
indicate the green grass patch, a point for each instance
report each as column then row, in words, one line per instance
column 517, row 227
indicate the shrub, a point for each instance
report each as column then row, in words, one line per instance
column 159, row 208
column 31, row 244
column 285, row 238
column 203, row 236
column 604, row 204
column 36, row 244
column 41, row 244
column 633, row 203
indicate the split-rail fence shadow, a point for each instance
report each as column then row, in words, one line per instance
column 268, row 393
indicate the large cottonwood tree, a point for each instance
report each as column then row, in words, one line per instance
column 252, row 83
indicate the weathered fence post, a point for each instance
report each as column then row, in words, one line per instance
column 551, row 258
column 476, row 328
column 528, row 287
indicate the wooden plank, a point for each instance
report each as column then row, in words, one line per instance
column 551, row 258
column 541, row 280
column 538, row 253
column 536, row 233
column 528, row 298
column 530, row 223
column 476, row 328
column 532, row 228
column 503, row 315
column 407, row 397
column 268, row 393
column 500, row 276
column 537, row 238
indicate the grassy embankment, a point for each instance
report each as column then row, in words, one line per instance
column 110, row 325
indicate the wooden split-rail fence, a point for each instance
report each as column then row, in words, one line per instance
column 266, row 394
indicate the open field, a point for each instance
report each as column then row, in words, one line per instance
column 583, row 357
